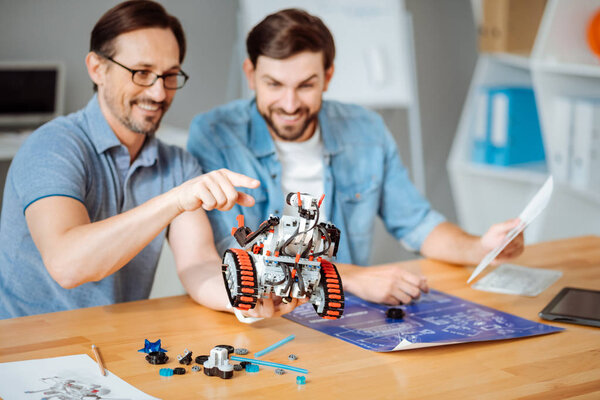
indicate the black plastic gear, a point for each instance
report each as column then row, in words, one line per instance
column 179, row 371
column 230, row 349
column 157, row 357
column 201, row 359
column 395, row 313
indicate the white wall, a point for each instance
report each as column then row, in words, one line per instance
column 445, row 41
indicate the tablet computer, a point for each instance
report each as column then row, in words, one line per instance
column 576, row 306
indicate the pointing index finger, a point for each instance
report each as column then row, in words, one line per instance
column 240, row 180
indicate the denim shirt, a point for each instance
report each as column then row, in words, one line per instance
column 364, row 176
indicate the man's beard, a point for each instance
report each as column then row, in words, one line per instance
column 291, row 136
column 149, row 128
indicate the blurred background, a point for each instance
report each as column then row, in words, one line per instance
column 446, row 71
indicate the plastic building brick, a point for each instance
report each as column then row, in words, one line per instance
column 237, row 367
column 289, row 258
column 157, row 357
column 274, row 346
column 301, row 380
column 196, row 368
column 292, row 357
column 280, row 371
column 270, row 364
column 252, row 368
column 395, row 313
column 186, row 358
column 218, row 364
column 179, row 371
column 241, row 351
column 150, row 347
column 166, row 372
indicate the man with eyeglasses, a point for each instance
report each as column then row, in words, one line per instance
column 90, row 197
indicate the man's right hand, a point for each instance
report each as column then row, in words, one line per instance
column 273, row 306
column 215, row 190
column 385, row 284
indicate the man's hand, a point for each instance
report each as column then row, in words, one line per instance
column 273, row 306
column 385, row 284
column 496, row 235
column 215, row 190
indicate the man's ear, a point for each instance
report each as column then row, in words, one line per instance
column 95, row 69
column 328, row 76
column 249, row 72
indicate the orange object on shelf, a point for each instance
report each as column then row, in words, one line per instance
column 593, row 34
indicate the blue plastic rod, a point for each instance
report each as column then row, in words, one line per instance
column 269, row 364
column 274, row 346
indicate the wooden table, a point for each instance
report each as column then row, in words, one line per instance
column 555, row 366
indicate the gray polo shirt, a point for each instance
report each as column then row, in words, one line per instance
column 79, row 156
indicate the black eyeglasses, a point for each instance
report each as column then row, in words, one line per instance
column 146, row 78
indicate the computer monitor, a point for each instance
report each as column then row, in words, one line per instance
column 31, row 93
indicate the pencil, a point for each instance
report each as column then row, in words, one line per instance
column 98, row 359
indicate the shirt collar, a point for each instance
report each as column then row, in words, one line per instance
column 261, row 143
column 103, row 137
column 100, row 133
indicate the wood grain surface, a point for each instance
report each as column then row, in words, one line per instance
column 556, row 366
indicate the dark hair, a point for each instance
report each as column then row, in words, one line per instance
column 288, row 32
column 130, row 16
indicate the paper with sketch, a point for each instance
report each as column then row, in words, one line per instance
column 69, row 377
column 437, row 319
column 531, row 211
column 519, row 280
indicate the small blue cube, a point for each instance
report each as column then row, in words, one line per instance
column 300, row 380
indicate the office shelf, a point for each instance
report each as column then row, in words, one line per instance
column 560, row 65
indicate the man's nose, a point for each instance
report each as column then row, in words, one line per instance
column 157, row 91
column 290, row 102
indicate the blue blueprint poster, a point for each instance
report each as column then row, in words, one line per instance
column 434, row 320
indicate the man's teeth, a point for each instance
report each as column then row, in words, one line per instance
column 149, row 107
column 290, row 117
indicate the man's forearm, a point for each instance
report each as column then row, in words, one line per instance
column 91, row 251
column 204, row 283
column 447, row 242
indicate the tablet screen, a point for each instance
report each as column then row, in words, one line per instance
column 575, row 304
column 579, row 303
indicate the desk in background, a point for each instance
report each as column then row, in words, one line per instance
column 556, row 366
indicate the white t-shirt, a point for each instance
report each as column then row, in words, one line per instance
column 302, row 169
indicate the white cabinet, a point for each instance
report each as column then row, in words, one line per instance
column 561, row 65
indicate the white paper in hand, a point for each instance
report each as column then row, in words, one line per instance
column 531, row 211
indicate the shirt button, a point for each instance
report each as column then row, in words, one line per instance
column 274, row 176
column 276, row 211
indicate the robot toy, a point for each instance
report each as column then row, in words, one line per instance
column 289, row 257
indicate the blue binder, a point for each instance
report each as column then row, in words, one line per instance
column 513, row 134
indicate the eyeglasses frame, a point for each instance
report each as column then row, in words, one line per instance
column 135, row 71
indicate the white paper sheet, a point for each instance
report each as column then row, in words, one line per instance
column 531, row 211
column 69, row 377
column 517, row 279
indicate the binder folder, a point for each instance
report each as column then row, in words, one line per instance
column 585, row 160
column 559, row 138
column 512, row 127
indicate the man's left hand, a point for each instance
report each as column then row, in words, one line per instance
column 496, row 235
